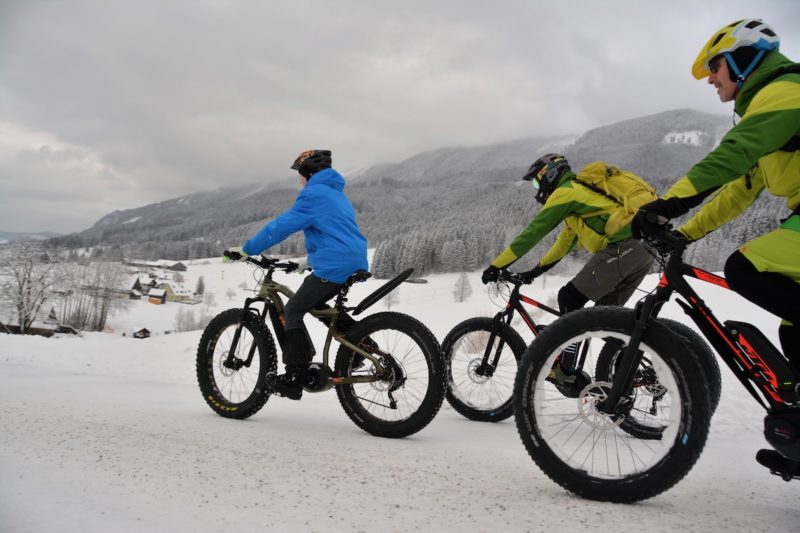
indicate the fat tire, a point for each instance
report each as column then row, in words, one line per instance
column 434, row 395
column 703, row 353
column 265, row 351
column 700, row 350
column 513, row 343
column 688, row 375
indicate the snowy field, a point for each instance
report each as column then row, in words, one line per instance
column 108, row 433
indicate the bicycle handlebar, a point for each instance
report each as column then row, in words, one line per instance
column 272, row 263
column 513, row 277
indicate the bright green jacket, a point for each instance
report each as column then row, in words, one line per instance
column 575, row 205
column 749, row 157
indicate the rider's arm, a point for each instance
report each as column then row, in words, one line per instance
column 299, row 217
column 565, row 242
column 728, row 203
column 770, row 121
column 556, row 209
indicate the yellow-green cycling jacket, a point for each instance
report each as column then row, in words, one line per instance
column 573, row 204
column 749, row 157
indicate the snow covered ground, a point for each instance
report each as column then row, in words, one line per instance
column 109, row 433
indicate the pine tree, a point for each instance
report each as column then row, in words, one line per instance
column 201, row 286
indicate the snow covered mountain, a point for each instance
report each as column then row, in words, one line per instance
column 456, row 194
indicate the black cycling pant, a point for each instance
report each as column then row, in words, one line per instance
column 777, row 293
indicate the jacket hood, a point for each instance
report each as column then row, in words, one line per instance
column 771, row 63
column 329, row 177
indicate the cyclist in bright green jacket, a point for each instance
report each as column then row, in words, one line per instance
column 762, row 151
column 618, row 264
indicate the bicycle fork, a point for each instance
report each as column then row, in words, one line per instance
column 630, row 359
column 485, row 369
column 233, row 362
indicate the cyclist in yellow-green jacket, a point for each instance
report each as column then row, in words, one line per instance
column 619, row 263
column 762, row 151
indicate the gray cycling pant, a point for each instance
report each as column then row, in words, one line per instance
column 612, row 275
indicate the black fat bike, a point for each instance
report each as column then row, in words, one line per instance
column 482, row 355
column 388, row 372
column 580, row 442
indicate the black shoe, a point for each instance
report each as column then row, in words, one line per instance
column 566, row 379
column 778, row 464
column 358, row 360
column 288, row 385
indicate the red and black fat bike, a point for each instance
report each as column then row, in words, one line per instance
column 581, row 443
column 482, row 355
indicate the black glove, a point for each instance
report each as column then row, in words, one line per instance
column 534, row 273
column 646, row 224
column 678, row 235
column 490, row 275
column 661, row 211
column 233, row 254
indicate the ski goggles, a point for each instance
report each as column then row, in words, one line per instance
column 714, row 64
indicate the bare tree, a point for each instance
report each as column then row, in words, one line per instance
column 209, row 300
column 25, row 283
column 462, row 289
column 230, row 293
column 392, row 299
column 90, row 293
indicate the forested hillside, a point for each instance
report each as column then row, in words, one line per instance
column 446, row 210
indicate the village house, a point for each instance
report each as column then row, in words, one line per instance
column 157, row 296
column 175, row 292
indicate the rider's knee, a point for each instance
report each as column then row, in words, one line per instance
column 570, row 298
column 740, row 273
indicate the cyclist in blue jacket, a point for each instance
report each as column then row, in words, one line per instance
column 336, row 249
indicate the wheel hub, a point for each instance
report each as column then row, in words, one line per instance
column 476, row 372
column 589, row 399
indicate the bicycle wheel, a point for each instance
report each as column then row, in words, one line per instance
column 477, row 391
column 237, row 391
column 585, row 450
column 702, row 351
column 643, row 420
column 408, row 395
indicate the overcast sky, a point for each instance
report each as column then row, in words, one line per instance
column 110, row 105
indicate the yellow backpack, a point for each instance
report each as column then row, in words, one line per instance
column 626, row 189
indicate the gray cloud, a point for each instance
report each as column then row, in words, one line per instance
column 110, row 105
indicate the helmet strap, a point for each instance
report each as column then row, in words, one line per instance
column 741, row 76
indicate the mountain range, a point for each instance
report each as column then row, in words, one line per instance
column 11, row 236
column 467, row 196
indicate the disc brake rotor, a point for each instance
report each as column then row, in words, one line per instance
column 589, row 398
column 472, row 372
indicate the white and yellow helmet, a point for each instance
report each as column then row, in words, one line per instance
column 747, row 32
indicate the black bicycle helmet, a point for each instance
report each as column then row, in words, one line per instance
column 312, row 161
column 545, row 173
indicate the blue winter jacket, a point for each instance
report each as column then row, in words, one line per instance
column 336, row 248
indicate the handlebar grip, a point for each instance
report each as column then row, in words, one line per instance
column 232, row 255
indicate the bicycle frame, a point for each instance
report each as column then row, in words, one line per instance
column 766, row 376
column 269, row 293
column 515, row 300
